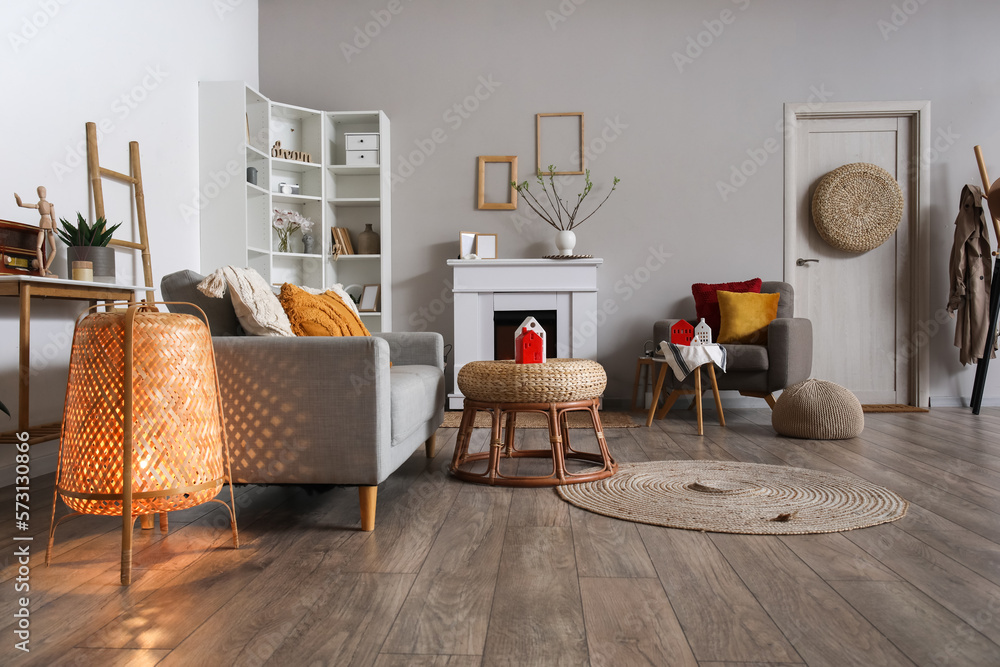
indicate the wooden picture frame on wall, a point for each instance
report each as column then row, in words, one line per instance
column 369, row 299
column 509, row 205
column 486, row 246
column 538, row 142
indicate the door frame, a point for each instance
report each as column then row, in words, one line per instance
column 919, row 112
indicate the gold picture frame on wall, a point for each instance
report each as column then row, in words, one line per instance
column 538, row 142
column 481, row 189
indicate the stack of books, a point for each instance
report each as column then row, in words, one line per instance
column 341, row 241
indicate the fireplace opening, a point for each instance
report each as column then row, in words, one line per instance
column 505, row 324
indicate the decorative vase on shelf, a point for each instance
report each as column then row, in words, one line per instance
column 565, row 241
column 282, row 243
column 307, row 244
column 369, row 242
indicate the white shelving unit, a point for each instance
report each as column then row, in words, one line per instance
column 238, row 127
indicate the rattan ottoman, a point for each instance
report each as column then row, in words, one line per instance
column 555, row 388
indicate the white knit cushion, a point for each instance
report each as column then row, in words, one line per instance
column 818, row 410
column 257, row 308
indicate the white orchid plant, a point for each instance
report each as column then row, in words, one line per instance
column 285, row 223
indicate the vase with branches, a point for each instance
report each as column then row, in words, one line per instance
column 557, row 212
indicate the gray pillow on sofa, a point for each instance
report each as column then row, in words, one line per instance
column 183, row 286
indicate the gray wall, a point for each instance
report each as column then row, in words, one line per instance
column 682, row 127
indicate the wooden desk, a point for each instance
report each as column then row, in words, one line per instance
column 26, row 287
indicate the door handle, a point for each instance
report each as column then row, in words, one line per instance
column 803, row 262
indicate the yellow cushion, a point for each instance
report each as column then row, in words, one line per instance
column 323, row 314
column 745, row 316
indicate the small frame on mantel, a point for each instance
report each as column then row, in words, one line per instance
column 561, row 137
column 511, row 202
column 466, row 244
column 369, row 299
column 486, row 246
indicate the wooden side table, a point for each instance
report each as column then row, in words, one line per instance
column 677, row 393
column 25, row 288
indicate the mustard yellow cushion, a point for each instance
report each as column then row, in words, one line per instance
column 323, row 314
column 745, row 316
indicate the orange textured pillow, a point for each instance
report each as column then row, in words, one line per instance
column 323, row 314
column 745, row 316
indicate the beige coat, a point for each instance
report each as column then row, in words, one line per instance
column 971, row 274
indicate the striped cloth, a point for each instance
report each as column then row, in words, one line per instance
column 683, row 359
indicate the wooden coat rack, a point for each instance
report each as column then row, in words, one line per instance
column 993, row 204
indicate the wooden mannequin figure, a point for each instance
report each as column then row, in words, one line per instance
column 47, row 228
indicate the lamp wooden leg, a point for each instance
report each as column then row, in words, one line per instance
column 146, row 522
column 430, row 447
column 164, row 525
column 366, row 496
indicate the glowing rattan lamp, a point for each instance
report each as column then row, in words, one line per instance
column 143, row 430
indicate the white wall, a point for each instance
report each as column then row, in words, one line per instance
column 134, row 69
column 682, row 127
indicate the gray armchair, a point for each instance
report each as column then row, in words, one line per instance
column 318, row 409
column 759, row 370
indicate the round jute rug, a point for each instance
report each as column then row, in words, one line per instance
column 730, row 497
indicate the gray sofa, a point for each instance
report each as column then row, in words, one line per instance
column 758, row 370
column 321, row 410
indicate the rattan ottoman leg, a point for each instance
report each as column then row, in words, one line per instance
column 464, row 435
column 555, row 442
column 495, row 444
column 564, row 424
column 509, row 433
column 595, row 416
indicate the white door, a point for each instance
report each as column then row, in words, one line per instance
column 861, row 305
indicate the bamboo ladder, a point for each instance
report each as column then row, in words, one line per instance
column 993, row 202
column 96, row 172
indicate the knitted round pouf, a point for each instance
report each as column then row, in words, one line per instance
column 554, row 388
column 818, row 410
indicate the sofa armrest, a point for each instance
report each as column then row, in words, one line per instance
column 424, row 348
column 789, row 351
column 308, row 410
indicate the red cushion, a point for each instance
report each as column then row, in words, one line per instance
column 706, row 302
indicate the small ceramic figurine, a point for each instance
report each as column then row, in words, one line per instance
column 47, row 228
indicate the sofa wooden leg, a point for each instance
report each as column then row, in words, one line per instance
column 366, row 495
column 431, row 446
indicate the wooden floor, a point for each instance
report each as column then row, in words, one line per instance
column 459, row 575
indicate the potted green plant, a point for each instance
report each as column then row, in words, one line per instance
column 89, row 243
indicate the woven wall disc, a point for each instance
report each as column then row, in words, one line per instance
column 857, row 207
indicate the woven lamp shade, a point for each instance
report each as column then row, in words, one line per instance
column 857, row 207
column 160, row 369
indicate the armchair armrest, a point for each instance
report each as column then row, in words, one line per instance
column 411, row 348
column 298, row 410
column 661, row 330
column 789, row 351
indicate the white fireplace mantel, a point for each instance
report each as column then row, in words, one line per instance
column 482, row 287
